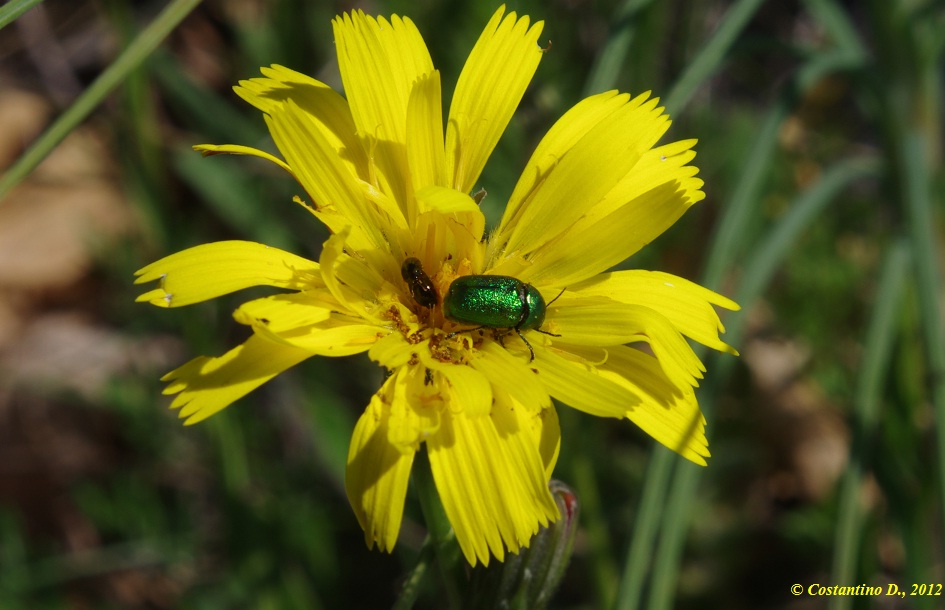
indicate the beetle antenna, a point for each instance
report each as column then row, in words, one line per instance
column 556, row 298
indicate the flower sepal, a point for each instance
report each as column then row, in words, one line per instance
column 529, row 579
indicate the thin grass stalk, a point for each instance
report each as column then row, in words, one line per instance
column 725, row 245
column 916, row 192
column 909, row 85
column 601, row 562
column 646, row 526
column 809, row 205
column 139, row 50
column 10, row 11
column 707, row 61
column 609, row 62
column 876, row 358
column 660, row 469
column 830, row 16
column 737, row 215
column 766, row 260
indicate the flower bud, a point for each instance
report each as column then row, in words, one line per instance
column 529, row 579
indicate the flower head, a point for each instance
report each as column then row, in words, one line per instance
column 392, row 184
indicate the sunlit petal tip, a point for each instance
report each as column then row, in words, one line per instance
column 210, row 270
column 206, row 150
column 502, row 62
column 205, row 385
column 377, row 476
column 209, row 150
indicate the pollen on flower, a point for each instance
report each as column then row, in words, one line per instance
column 412, row 336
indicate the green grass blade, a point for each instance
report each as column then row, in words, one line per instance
column 646, row 526
column 13, row 9
column 130, row 59
column 606, row 69
column 710, row 57
column 766, row 259
column 916, row 191
column 726, row 245
column 842, row 32
column 876, row 358
column 736, row 217
column 809, row 205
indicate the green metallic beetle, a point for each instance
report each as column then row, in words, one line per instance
column 497, row 301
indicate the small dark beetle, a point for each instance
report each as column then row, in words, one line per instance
column 420, row 284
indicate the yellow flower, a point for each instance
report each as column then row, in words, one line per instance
column 381, row 173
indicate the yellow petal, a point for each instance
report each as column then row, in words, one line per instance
column 512, row 375
column 376, row 477
column 206, row 385
column 393, row 351
column 547, row 430
column 338, row 336
column 597, row 321
column 666, row 412
column 580, row 385
column 661, row 165
column 587, row 249
column 453, row 204
column 491, row 478
column 208, row 150
column 416, row 406
column 688, row 306
column 325, row 177
column 646, row 202
column 380, row 61
column 543, row 423
column 211, row 270
column 354, row 284
column 286, row 312
column 327, row 110
column 562, row 136
column 468, row 387
column 582, row 175
column 489, row 89
column 438, row 233
column 425, row 153
column 403, row 429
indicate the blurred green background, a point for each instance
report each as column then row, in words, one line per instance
column 820, row 143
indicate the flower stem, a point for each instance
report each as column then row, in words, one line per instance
column 441, row 536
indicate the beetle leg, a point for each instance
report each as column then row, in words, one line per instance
column 527, row 344
column 468, row 330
